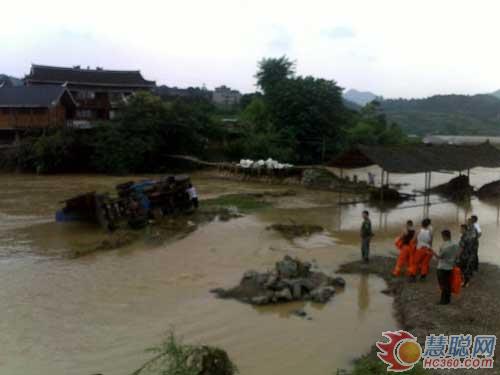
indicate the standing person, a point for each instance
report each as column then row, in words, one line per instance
column 371, row 178
column 366, row 236
column 474, row 222
column 406, row 245
column 423, row 254
column 446, row 260
column 466, row 255
column 193, row 195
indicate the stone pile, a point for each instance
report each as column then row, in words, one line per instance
column 290, row 280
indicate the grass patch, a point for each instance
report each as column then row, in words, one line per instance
column 242, row 202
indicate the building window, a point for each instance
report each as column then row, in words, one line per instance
column 84, row 113
column 83, row 95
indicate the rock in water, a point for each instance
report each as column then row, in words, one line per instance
column 322, row 294
column 339, row 281
column 259, row 300
column 287, row 268
column 292, row 280
column 284, row 295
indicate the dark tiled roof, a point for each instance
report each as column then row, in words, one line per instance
column 52, row 74
column 420, row 158
column 31, row 96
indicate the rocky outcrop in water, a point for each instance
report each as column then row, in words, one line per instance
column 456, row 189
column 290, row 280
column 491, row 190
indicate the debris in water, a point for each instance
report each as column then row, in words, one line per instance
column 296, row 230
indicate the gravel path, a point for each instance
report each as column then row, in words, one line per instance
column 476, row 310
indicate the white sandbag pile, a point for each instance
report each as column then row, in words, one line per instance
column 269, row 164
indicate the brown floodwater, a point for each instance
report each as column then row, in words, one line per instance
column 99, row 312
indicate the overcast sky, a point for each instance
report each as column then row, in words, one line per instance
column 395, row 48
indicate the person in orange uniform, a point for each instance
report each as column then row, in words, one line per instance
column 406, row 245
column 424, row 253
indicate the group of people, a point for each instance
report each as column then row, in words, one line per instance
column 416, row 251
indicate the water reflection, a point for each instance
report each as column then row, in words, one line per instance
column 363, row 295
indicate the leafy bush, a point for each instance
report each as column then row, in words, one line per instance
column 175, row 358
column 54, row 151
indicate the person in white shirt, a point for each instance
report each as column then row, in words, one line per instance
column 193, row 195
column 423, row 254
column 475, row 225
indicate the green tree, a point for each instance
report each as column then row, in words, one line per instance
column 147, row 130
column 272, row 71
column 310, row 113
column 372, row 128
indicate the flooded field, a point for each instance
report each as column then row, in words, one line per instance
column 99, row 312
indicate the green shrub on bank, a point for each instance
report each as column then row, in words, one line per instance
column 175, row 358
column 50, row 152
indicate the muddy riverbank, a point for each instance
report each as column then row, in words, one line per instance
column 474, row 311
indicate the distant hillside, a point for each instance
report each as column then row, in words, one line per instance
column 10, row 81
column 496, row 93
column 359, row 97
column 446, row 114
column 351, row 105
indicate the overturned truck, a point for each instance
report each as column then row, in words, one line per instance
column 133, row 203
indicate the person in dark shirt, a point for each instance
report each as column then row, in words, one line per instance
column 466, row 257
column 366, row 235
column 447, row 257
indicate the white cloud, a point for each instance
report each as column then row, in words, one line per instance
column 392, row 47
column 339, row 32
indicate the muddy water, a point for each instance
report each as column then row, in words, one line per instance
column 99, row 312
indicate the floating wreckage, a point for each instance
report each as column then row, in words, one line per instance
column 291, row 280
column 133, row 203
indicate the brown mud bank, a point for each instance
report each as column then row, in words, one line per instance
column 474, row 311
column 319, row 178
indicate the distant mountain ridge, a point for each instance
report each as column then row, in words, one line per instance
column 360, row 97
column 446, row 114
column 496, row 94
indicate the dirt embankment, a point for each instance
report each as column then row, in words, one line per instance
column 474, row 311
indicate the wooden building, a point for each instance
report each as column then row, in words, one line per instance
column 98, row 92
column 36, row 107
